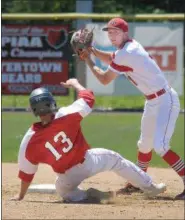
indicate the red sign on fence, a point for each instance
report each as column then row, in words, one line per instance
column 166, row 57
column 34, row 56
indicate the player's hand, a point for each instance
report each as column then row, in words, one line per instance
column 70, row 83
column 17, row 198
column 85, row 54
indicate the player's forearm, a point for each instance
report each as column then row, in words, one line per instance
column 98, row 73
column 78, row 87
column 106, row 57
column 23, row 189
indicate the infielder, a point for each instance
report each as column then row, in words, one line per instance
column 162, row 103
column 57, row 140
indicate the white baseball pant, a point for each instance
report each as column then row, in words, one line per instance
column 158, row 122
column 97, row 161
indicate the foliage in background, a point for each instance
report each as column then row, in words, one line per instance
column 38, row 6
column 100, row 6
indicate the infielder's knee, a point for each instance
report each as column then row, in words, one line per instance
column 144, row 146
column 161, row 148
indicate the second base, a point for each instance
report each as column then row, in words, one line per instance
column 42, row 188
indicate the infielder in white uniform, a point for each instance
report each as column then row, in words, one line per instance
column 162, row 103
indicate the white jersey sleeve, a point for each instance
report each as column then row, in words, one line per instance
column 122, row 60
column 26, row 168
column 83, row 105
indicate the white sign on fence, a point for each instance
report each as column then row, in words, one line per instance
column 164, row 41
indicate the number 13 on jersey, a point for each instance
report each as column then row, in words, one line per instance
column 65, row 139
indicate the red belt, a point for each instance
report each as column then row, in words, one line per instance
column 155, row 95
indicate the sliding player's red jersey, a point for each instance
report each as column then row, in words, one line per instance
column 59, row 144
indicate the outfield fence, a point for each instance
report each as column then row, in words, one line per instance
column 114, row 96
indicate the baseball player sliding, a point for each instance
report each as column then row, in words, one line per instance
column 162, row 103
column 57, row 140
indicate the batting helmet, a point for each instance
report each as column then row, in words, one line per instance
column 42, row 102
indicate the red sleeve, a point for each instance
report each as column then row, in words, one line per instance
column 88, row 96
column 25, row 177
column 121, row 68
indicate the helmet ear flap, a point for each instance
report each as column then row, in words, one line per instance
column 53, row 106
column 34, row 111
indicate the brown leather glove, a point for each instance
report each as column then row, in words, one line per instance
column 81, row 43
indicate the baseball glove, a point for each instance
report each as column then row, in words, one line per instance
column 81, row 43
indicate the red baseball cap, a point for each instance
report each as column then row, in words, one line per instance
column 117, row 23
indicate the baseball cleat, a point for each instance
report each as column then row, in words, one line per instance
column 128, row 189
column 154, row 189
column 181, row 196
column 94, row 196
column 88, row 200
column 99, row 195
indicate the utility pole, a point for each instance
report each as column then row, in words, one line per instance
column 80, row 67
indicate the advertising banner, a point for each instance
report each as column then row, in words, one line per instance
column 34, row 56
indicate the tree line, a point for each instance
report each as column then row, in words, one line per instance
column 99, row 6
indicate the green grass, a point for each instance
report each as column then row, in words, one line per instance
column 118, row 132
column 101, row 101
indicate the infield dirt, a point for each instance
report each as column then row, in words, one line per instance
column 49, row 206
